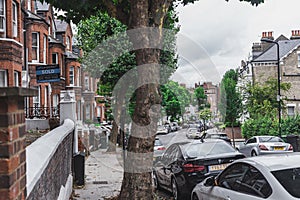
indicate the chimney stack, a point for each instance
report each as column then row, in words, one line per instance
column 266, row 45
column 268, row 35
column 295, row 34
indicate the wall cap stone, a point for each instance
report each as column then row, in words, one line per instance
column 17, row 91
column 40, row 152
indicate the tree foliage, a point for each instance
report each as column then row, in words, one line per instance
column 174, row 99
column 230, row 105
column 261, row 98
column 201, row 97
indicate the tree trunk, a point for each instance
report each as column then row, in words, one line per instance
column 121, row 93
column 113, row 137
column 137, row 180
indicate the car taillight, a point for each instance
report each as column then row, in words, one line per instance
column 263, row 147
column 189, row 167
column 291, row 148
column 161, row 148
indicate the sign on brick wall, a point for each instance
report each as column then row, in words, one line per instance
column 47, row 73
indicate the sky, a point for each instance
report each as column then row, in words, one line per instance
column 216, row 35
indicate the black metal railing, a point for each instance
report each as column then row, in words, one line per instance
column 41, row 112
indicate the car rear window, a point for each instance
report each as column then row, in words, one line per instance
column 208, row 148
column 270, row 139
column 290, row 180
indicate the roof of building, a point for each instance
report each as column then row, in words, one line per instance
column 42, row 6
column 54, row 40
column 285, row 47
column 31, row 15
column 71, row 55
column 61, row 26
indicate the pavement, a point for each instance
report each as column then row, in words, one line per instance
column 103, row 176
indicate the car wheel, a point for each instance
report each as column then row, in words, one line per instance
column 175, row 192
column 155, row 181
column 253, row 153
column 194, row 197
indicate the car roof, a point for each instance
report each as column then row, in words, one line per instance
column 275, row 161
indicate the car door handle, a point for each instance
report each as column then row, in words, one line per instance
column 228, row 198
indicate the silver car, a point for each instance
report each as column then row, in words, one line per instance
column 275, row 177
column 259, row 145
column 193, row 133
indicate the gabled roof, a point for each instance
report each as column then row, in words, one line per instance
column 61, row 26
column 42, row 6
column 285, row 47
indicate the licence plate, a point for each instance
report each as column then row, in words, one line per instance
column 217, row 167
column 278, row 148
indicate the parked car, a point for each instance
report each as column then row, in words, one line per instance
column 162, row 130
column 193, row 133
column 259, row 145
column 275, row 177
column 185, row 164
column 174, row 126
column 215, row 135
column 159, row 148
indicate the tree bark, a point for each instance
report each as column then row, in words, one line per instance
column 137, row 180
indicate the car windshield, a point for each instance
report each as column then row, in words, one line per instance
column 192, row 130
column 207, row 148
column 270, row 139
column 289, row 179
column 217, row 136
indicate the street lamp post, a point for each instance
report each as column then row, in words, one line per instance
column 278, row 81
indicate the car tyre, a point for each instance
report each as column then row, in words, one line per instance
column 253, row 153
column 176, row 194
column 194, row 197
column 155, row 182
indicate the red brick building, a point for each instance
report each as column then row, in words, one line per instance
column 11, row 40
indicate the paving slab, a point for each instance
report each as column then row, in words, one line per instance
column 103, row 176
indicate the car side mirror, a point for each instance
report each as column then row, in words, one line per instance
column 210, row 181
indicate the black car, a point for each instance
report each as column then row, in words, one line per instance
column 185, row 164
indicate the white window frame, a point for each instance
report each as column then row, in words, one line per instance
column 29, row 5
column 45, row 50
column 71, row 75
column 16, row 78
column 87, row 112
column 37, row 46
column 3, row 77
column 78, row 77
column 2, row 16
column 68, row 43
column 298, row 58
column 15, row 19
column 87, row 82
column 46, row 93
column 293, row 106
column 36, row 99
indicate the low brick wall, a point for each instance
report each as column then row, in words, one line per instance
column 236, row 131
column 49, row 164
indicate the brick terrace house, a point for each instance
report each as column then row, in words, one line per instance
column 30, row 36
column 265, row 65
column 11, row 43
column 48, row 42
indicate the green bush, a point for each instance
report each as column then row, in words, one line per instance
column 269, row 126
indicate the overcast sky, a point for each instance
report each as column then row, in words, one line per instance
column 216, row 35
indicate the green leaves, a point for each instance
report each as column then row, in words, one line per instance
column 174, row 99
column 230, row 105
